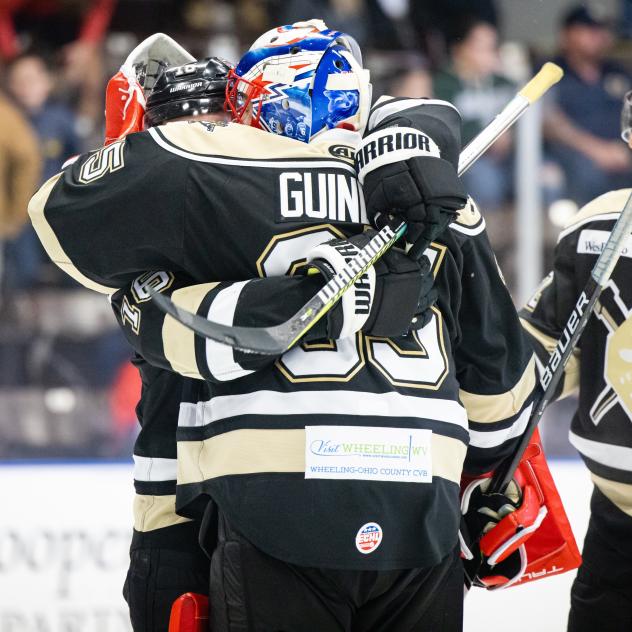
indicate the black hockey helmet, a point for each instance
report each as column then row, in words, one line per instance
column 195, row 88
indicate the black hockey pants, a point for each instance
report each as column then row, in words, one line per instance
column 164, row 564
column 601, row 596
column 253, row 592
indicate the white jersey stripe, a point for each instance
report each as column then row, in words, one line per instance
column 495, row 438
column 388, row 108
column 154, row 469
column 469, row 230
column 615, row 456
column 220, row 359
column 316, row 403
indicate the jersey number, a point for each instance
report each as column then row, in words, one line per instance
column 104, row 161
column 417, row 361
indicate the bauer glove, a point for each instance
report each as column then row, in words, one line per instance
column 407, row 164
column 390, row 299
column 494, row 529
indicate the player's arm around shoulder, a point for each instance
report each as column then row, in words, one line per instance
column 166, row 343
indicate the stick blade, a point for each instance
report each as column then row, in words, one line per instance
column 257, row 340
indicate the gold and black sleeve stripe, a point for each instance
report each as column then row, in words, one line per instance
column 166, row 343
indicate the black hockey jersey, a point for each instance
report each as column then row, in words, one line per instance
column 601, row 429
column 342, row 453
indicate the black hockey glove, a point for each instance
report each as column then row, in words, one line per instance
column 390, row 299
column 407, row 164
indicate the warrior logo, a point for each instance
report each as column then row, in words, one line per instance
column 401, row 143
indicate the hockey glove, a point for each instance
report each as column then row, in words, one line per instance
column 494, row 528
column 407, row 165
column 392, row 298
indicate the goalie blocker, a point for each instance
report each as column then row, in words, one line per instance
column 531, row 540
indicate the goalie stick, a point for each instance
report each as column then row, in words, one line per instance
column 575, row 325
column 277, row 339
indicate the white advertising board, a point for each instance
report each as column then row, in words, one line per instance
column 65, row 532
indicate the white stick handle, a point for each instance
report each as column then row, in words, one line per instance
column 548, row 76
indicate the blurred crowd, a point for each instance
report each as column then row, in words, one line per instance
column 62, row 360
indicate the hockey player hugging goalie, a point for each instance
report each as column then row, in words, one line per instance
column 327, row 479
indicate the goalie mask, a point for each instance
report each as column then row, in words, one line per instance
column 188, row 90
column 300, row 80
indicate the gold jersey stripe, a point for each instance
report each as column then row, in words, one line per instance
column 493, row 408
column 611, row 202
column 250, row 451
column 604, row 207
column 242, row 142
column 178, row 341
column 618, row 493
column 607, row 316
column 571, row 372
column 155, row 512
column 51, row 243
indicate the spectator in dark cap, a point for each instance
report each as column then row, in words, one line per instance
column 581, row 14
column 582, row 125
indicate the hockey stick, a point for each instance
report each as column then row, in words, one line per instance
column 575, row 325
column 277, row 339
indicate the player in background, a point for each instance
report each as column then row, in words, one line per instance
column 601, row 429
column 204, row 202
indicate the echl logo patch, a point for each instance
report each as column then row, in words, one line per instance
column 368, row 538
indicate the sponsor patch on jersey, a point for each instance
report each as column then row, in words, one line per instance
column 402, row 455
column 592, row 242
column 368, row 538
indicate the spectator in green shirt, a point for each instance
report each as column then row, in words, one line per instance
column 471, row 81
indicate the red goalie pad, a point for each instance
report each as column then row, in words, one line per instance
column 552, row 548
column 189, row 613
